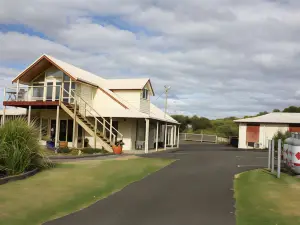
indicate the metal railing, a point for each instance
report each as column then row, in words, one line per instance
column 88, row 111
column 58, row 93
column 33, row 93
column 198, row 137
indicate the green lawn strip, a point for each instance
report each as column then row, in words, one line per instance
column 69, row 187
column 262, row 199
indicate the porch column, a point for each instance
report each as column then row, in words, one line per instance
column 172, row 136
column 110, row 129
column 18, row 86
column 29, row 115
column 166, row 131
column 76, row 136
column 104, row 127
column 178, row 137
column 74, row 122
column 175, row 136
column 147, row 136
column 95, row 134
column 57, row 128
column 157, row 127
column 3, row 116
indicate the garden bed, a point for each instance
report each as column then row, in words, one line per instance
column 66, row 156
column 22, row 176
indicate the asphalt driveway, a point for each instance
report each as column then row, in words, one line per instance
column 197, row 189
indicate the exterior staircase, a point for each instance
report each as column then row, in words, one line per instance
column 79, row 109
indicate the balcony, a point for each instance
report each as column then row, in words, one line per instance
column 37, row 96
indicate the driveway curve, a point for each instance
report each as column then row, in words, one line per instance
column 197, row 189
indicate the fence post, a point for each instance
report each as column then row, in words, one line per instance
column 273, row 155
column 269, row 155
column 185, row 136
column 279, row 159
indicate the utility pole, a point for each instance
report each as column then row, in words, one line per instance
column 167, row 88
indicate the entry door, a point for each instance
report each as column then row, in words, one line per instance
column 63, row 130
column 49, row 91
column 52, row 127
column 53, row 89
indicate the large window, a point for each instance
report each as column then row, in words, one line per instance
column 145, row 94
column 38, row 91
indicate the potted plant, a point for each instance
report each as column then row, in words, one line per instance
column 117, row 148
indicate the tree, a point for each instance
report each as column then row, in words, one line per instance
column 262, row 113
column 199, row 123
column 292, row 109
column 276, row 110
column 183, row 120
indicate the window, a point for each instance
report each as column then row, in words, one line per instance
column 38, row 91
column 66, row 78
column 145, row 94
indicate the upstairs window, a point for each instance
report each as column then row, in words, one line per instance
column 145, row 94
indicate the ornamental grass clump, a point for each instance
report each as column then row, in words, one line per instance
column 20, row 148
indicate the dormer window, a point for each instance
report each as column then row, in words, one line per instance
column 145, row 94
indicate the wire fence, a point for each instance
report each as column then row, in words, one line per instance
column 202, row 138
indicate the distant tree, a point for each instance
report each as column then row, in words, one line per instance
column 199, row 123
column 276, row 110
column 183, row 120
column 292, row 109
column 262, row 113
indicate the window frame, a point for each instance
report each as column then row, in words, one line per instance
column 145, row 94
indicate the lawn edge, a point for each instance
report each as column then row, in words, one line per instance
column 89, row 204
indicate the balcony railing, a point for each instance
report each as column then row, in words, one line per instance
column 34, row 93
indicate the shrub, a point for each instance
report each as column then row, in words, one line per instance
column 282, row 136
column 65, row 150
column 19, row 147
column 93, row 150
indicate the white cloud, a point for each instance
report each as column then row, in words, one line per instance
column 221, row 57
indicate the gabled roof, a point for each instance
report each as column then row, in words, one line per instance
column 105, row 85
column 46, row 61
column 157, row 113
column 128, row 84
column 277, row 117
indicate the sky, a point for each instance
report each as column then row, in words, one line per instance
column 220, row 57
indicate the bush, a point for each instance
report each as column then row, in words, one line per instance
column 93, row 150
column 65, row 150
column 20, row 148
column 282, row 136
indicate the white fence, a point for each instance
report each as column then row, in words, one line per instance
column 202, row 138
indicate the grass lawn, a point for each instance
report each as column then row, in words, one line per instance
column 69, row 187
column 262, row 199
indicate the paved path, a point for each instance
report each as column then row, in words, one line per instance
column 195, row 190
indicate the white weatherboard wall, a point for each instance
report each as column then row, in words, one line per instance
column 131, row 96
column 127, row 127
column 103, row 103
column 145, row 106
column 242, row 135
column 267, row 132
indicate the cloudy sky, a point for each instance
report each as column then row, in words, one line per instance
column 221, row 57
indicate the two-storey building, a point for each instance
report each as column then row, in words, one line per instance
column 78, row 105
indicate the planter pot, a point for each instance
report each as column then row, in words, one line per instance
column 63, row 144
column 117, row 149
